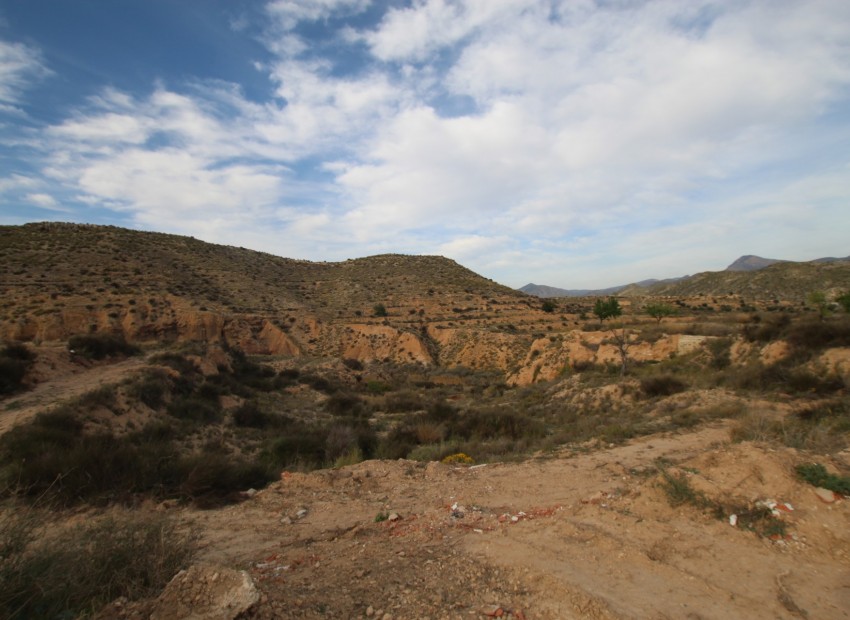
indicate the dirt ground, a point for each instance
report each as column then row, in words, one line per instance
column 580, row 533
column 68, row 378
column 574, row 535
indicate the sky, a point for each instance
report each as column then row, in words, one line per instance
column 573, row 143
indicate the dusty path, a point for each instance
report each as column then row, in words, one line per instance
column 574, row 536
column 22, row 407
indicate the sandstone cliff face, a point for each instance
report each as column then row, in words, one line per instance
column 523, row 360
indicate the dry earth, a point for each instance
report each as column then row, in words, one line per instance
column 575, row 535
column 68, row 379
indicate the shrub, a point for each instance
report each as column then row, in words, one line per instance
column 76, row 571
column 151, row 389
column 661, row 385
column 15, row 361
column 194, row 409
column 765, row 328
column 403, row 401
column 816, row 475
column 99, row 346
column 299, row 446
column 213, row 478
column 810, row 336
column 353, row 364
column 250, row 415
column 344, row 404
column 460, row 457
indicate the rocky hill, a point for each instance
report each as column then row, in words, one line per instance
column 58, row 280
column 752, row 263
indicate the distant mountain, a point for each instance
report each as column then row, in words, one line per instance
column 709, row 282
column 752, row 263
column 541, row 290
column 786, row 280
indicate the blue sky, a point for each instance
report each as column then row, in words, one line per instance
column 575, row 143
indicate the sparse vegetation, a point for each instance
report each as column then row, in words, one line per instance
column 817, row 475
column 607, row 309
column 50, row 572
column 98, row 346
column 15, row 361
column 659, row 311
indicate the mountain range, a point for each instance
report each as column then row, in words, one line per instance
column 746, row 264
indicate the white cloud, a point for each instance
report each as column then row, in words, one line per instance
column 45, row 201
column 509, row 134
column 19, row 66
column 16, row 182
column 289, row 13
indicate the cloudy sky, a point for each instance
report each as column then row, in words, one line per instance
column 575, row 143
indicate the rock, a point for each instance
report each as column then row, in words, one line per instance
column 206, row 592
column 825, row 495
column 394, row 516
column 301, row 513
column 493, row 611
column 370, row 611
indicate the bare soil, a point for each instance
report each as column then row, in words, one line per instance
column 68, row 377
column 572, row 535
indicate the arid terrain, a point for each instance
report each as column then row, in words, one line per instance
column 398, row 437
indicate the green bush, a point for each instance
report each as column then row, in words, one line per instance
column 816, row 475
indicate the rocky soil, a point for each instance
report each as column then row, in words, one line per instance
column 579, row 534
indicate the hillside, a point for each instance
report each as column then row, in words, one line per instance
column 785, row 281
column 58, row 280
column 396, row 437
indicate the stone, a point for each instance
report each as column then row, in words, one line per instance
column 206, row 592
column 394, row 516
column 825, row 495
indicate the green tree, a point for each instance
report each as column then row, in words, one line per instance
column 379, row 310
column 659, row 310
column 607, row 308
column 549, row 306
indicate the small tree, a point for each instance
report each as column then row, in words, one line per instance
column 607, row 309
column 622, row 340
column 817, row 299
column 659, row 310
column 548, row 306
column 379, row 310
column 844, row 301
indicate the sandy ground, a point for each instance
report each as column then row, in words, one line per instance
column 576, row 535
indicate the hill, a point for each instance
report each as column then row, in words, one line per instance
column 752, row 263
column 704, row 283
column 541, row 290
column 784, row 281
column 397, row 437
